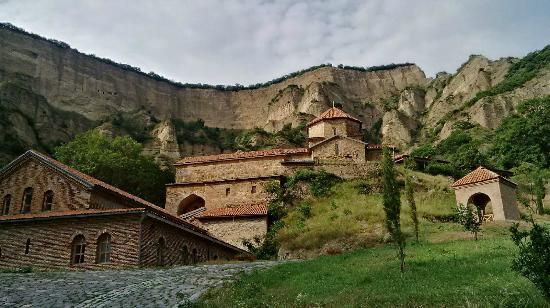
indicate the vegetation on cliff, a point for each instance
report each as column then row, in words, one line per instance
column 117, row 161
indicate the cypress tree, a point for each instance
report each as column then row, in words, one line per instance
column 392, row 205
column 409, row 192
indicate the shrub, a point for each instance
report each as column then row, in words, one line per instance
column 468, row 219
column 533, row 259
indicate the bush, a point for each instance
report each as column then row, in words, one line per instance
column 533, row 259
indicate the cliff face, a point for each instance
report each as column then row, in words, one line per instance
column 72, row 92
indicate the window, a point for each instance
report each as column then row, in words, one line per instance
column 334, row 131
column 185, row 254
column 103, row 254
column 336, row 149
column 227, row 191
column 253, row 190
column 48, row 201
column 27, row 200
column 194, row 256
column 28, row 246
column 6, row 205
column 78, row 250
column 161, row 246
column 0, row 252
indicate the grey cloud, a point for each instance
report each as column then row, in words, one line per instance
column 228, row 42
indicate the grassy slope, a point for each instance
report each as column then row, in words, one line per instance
column 462, row 273
column 446, row 268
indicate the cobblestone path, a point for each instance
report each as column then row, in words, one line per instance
column 117, row 288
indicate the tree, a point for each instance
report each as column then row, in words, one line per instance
column 533, row 259
column 117, row 161
column 524, row 136
column 540, row 192
column 468, row 219
column 409, row 192
column 392, row 205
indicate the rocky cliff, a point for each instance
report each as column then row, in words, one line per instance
column 49, row 92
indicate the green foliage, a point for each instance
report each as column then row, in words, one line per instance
column 374, row 134
column 392, row 204
column 117, row 161
column 425, row 150
column 320, row 182
column 265, row 248
column 305, row 210
column 409, row 193
column 133, row 124
column 519, row 73
column 524, row 136
column 468, row 219
column 195, row 132
column 435, row 168
column 533, row 259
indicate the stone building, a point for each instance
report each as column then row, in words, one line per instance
column 491, row 193
column 234, row 183
column 53, row 216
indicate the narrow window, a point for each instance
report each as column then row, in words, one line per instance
column 253, row 190
column 0, row 252
column 28, row 246
column 103, row 254
column 185, row 254
column 6, row 205
column 336, row 149
column 48, row 201
column 194, row 256
column 227, row 191
column 27, row 200
column 161, row 246
column 334, row 131
column 78, row 250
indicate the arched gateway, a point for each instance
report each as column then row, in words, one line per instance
column 489, row 192
column 189, row 204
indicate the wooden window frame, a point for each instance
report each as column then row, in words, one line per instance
column 104, row 249
column 26, row 203
column 6, row 203
column 47, row 205
column 78, row 250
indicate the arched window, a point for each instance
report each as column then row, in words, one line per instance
column 103, row 253
column 28, row 246
column 48, row 201
column 185, row 254
column 27, row 200
column 194, row 256
column 334, row 131
column 336, row 149
column 161, row 247
column 78, row 250
column 6, row 205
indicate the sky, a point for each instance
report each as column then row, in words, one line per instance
column 252, row 41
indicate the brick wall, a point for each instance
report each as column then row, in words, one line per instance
column 179, row 245
column 235, row 230
column 51, row 240
column 347, row 150
column 68, row 194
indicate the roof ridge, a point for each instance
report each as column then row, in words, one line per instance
column 333, row 113
column 241, row 155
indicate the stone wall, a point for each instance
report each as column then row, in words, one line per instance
column 340, row 149
column 235, row 169
column 181, row 247
column 349, row 170
column 68, row 194
column 331, row 127
column 51, row 241
column 215, row 194
column 235, row 230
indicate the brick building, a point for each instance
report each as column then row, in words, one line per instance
column 53, row 216
column 233, row 184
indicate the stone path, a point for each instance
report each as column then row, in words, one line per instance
column 117, row 288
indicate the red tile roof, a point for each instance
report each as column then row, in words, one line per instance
column 80, row 212
column 332, row 113
column 481, row 174
column 259, row 209
column 240, row 155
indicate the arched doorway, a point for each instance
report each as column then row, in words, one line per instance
column 483, row 204
column 190, row 203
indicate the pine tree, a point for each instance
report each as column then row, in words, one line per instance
column 392, row 205
column 409, row 192
column 539, row 193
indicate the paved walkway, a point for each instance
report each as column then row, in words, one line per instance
column 117, row 288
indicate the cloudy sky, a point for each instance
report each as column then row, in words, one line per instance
column 250, row 41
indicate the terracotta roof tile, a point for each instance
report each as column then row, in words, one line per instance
column 53, row 214
column 241, row 155
column 332, row 113
column 479, row 175
column 259, row 209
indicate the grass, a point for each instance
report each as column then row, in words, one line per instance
column 462, row 273
column 347, row 219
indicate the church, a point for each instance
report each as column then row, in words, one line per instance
column 225, row 193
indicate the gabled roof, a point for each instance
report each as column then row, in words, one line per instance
column 337, row 137
column 481, row 174
column 240, row 156
column 249, row 210
column 333, row 113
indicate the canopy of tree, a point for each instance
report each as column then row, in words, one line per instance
column 117, row 161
